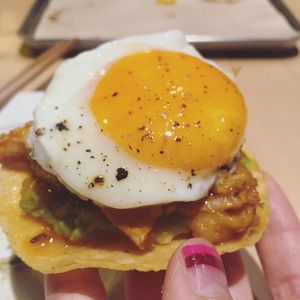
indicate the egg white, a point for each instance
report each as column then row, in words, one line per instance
column 80, row 152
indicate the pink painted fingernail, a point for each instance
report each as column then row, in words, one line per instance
column 204, row 269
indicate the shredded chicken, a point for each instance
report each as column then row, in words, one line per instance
column 228, row 210
column 13, row 144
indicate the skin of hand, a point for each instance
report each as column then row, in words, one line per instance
column 195, row 270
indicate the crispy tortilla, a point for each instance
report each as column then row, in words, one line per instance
column 48, row 253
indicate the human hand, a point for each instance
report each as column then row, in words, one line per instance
column 192, row 277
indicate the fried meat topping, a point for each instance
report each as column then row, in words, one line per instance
column 226, row 213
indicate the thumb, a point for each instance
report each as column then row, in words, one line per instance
column 196, row 271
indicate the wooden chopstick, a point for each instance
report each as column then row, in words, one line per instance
column 35, row 68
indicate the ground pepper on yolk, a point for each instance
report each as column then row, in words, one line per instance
column 170, row 109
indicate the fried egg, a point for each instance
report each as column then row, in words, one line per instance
column 138, row 121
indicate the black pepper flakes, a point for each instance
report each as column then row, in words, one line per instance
column 190, row 186
column 142, row 127
column 115, row 94
column 121, row 174
column 40, row 131
column 61, row 126
column 88, row 150
column 147, row 136
column 193, row 172
column 161, row 152
column 198, row 124
column 178, row 139
column 99, row 180
column 91, row 185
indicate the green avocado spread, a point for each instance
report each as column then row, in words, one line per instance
column 77, row 220
column 65, row 212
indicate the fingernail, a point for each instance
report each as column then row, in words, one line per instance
column 205, row 270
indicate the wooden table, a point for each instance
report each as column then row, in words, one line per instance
column 271, row 87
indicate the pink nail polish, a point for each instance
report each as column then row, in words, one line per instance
column 195, row 255
column 205, row 270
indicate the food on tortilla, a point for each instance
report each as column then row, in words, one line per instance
column 135, row 148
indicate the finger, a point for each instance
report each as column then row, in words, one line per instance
column 82, row 284
column 237, row 278
column 146, row 286
column 279, row 250
column 195, row 271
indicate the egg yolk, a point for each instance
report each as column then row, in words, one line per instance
column 170, row 109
